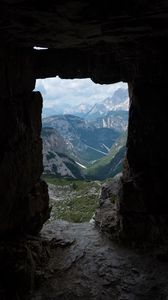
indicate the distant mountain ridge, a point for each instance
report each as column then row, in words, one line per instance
column 78, row 110
column 118, row 101
column 113, row 119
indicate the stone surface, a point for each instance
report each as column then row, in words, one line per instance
column 75, row 261
column 83, row 264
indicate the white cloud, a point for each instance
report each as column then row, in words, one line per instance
column 74, row 91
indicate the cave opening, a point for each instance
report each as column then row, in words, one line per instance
column 84, row 132
column 83, row 39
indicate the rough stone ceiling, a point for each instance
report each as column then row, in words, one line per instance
column 83, row 24
column 86, row 37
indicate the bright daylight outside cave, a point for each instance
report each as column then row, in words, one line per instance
column 84, row 131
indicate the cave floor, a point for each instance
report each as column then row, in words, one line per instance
column 84, row 264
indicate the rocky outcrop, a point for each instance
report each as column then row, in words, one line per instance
column 106, row 215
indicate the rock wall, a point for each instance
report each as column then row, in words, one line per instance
column 143, row 202
column 24, row 198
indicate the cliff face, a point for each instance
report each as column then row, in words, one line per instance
column 85, row 39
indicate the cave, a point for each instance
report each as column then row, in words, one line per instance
column 126, row 42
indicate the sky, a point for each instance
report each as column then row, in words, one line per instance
column 56, row 91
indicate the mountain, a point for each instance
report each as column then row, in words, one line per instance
column 119, row 101
column 111, row 164
column 53, row 141
column 79, row 110
column 117, row 120
column 55, row 156
column 94, row 136
column 60, row 165
column 84, row 141
column 57, row 109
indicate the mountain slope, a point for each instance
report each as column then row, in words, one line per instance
column 111, row 164
column 53, row 141
column 60, row 165
column 84, row 140
column 55, row 156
